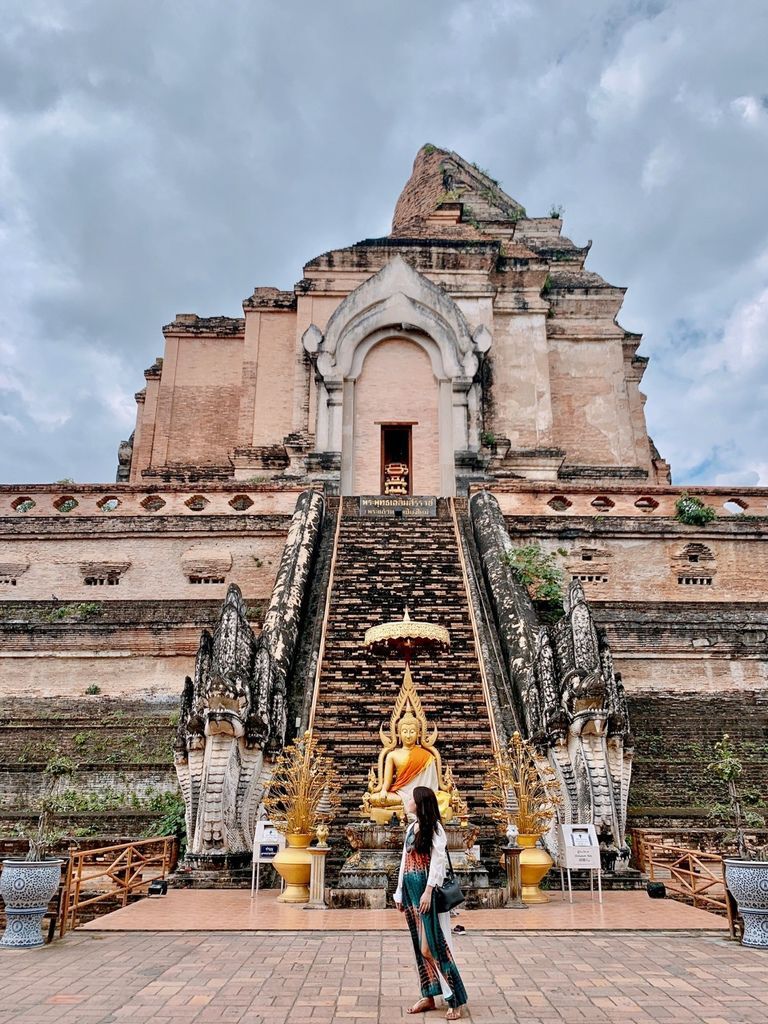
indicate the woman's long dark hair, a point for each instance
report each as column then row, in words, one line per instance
column 428, row 817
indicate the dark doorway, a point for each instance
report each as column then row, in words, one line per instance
column 396, row 462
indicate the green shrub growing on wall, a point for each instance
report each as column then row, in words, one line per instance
column 83, row 610
column 173, row 821
column 692, row 511
column 538, row 572
column 728, row 767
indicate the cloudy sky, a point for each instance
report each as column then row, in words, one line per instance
column 164, row 156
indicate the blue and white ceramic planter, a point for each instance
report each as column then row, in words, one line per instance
column 27, row 887
column 748, row 882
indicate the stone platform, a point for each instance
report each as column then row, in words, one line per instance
column 233, row 910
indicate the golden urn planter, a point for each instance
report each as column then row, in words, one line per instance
column 293, row 864
column 535, row 862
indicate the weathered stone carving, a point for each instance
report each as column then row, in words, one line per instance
column 568, row 698
column 234, row 711
column 124, row 459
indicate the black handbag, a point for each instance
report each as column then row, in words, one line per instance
column 449, row 894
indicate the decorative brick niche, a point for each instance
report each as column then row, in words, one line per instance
column 589, row 565
column 203, row 566
column 646, row 503
column 103, row 574
column 109, row 503
column 559, row 503
column 602, row 503
column 153, row 503
column 197, row 503
column 735, row 506
column 65, row 503
column 694, row 566
column 10, row 573
column 241, row 503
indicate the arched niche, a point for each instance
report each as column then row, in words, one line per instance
column 398, row 302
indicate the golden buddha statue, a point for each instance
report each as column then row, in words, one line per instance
column 408, row 759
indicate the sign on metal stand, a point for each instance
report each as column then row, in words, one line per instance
column 578, row 849
column 267, row 843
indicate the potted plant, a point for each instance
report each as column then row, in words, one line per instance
column 302, row 777
column 27, row 886
column 746, row 875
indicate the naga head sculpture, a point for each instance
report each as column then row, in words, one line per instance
column 584, row 695
column 222, row 698
column 225, row 697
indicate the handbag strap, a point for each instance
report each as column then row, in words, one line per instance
column 448, row 855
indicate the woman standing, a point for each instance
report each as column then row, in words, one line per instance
column 423, row 866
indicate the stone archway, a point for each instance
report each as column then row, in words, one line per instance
column 398, row 302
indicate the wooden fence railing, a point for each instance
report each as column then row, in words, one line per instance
column 96, row 876
column 691, row 874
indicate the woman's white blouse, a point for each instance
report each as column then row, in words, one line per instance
column 438, row 861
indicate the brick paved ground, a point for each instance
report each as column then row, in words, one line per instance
column 367, row 978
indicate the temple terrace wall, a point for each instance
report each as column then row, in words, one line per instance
column 84, row 543
column 625, row 544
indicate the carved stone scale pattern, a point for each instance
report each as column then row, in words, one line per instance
column 567, row 696
column 234, row 711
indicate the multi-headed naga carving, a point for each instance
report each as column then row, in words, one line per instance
column 233, row 712
column 222, row 732
column 565, row 693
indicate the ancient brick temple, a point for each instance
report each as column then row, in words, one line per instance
column 468, row 351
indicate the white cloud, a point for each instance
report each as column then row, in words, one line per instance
column 11, row 422
column 151, row 162
column 750, row 109
column 660, row 167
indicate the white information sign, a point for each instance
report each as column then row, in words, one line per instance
column 579, row 849
column 267, row 843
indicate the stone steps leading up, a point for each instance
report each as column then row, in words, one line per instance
column 382, row 565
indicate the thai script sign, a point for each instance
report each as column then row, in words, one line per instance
column 391, row 507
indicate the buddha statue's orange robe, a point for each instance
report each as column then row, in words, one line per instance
column 418, row 759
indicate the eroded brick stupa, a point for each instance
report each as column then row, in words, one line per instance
column 454, row 391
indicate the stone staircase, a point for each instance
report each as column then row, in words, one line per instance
column 382, row 565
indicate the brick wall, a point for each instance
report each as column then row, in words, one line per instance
column 275, row 366
column 590, row 411
column 675, row 736
column 138, row 648
column 122, row 750
column 639, row 559
column 150, row 567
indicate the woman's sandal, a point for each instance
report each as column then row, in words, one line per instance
column 454, row 1013
column 423, row 1005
